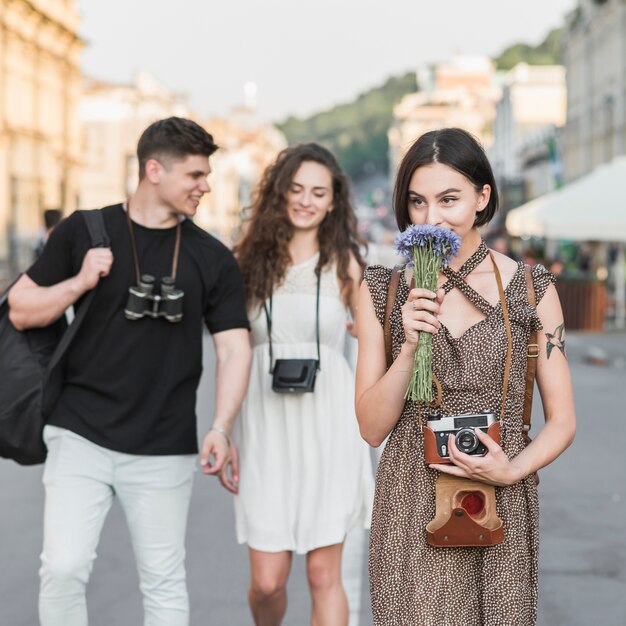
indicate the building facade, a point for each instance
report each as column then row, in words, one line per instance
column 112, row 118
column 594, row 54
column 525, row 153
column 40, row 82
column 462, row 92
column 247, row 147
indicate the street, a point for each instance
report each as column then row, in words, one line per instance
column 583, row 526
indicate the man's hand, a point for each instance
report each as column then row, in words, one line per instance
column 215, row 453
column 96, row 264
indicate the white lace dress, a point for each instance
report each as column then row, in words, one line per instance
column 306, row 476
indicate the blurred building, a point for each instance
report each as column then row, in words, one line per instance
column 594, row 53
column 39, row 131
column 112, row 117
column 541, row 161
column 461, row 92
column 247, row 147
column 525, row 152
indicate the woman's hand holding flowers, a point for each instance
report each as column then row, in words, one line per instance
column 419, row 314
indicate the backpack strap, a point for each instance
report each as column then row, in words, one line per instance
column 53, row 381
column 392, row 290
column 95, row 226
column 532, row 355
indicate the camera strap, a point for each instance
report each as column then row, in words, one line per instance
column 268, row 318
column 134, row 245
column 509, row 336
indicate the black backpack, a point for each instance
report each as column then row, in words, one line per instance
column 31, row 372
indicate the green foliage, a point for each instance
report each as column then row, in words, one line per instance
column 356, row 132
column 548, row 52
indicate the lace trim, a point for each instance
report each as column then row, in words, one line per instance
column 301, row 279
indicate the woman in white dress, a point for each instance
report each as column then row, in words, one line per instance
column 305, row 473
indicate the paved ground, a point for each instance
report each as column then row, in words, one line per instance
column 583, row 540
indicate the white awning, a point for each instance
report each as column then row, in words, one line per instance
column 592, row 208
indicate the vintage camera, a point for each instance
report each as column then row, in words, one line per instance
column 143, row 301
column 462, row 427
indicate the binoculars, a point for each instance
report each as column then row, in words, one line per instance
column 143, row 301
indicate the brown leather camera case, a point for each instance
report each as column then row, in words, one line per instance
column 453, row 525
column 431, row 454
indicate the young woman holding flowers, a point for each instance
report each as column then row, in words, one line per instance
column 306, row 474
column 445, row 181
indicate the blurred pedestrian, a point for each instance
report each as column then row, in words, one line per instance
column 306, row 475
column 445, row 180
column 556, row 267
column 531, row 256
column 124, row 425
column 51, row 218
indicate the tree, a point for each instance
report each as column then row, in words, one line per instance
column 356, row 132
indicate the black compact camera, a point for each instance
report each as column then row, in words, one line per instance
column 143, row 301
column 462, row 428
column 294, row 375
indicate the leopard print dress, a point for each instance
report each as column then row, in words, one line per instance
column 411, row 582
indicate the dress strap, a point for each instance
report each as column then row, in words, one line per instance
column 457, row 279
column 479, row 255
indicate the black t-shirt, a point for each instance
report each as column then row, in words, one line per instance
column 129, row 385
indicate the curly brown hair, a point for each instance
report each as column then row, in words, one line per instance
column 263, row 252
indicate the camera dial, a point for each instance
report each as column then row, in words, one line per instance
column 466, row 440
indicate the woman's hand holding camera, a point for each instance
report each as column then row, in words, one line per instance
column 494, row 468
column 419, row 313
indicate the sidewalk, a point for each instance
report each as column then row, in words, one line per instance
column 583, row 526
column 582, row 578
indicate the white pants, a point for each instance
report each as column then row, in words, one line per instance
column 80, row 480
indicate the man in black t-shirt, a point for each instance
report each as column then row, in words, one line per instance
column 125, row 420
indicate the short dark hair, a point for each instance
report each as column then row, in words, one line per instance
column 173, row 137
column 455, row 148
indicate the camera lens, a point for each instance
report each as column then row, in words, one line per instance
column 466, row 440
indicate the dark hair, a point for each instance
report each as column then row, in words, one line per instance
column 51, row 217
column 455, row 148
column 174, row 137
column 263, row 252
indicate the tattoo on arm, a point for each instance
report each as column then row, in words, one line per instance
column 556, row 339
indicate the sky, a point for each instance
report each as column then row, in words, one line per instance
column 304, row 56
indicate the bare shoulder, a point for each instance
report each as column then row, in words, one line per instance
column 354, row 269
column 506, row 264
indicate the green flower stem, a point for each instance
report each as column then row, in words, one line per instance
column 426, row 264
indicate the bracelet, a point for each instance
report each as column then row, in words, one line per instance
column 221, row 431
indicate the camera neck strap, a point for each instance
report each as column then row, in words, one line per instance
column 268, row 319
column 509, row 336
column 134, row 245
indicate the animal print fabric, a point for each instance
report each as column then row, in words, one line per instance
column 411, row 582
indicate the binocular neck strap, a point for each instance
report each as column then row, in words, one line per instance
column 268, row 319
column 509, row 337
column 134, row 245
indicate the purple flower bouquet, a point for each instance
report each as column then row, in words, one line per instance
column 430, row 248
